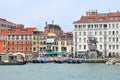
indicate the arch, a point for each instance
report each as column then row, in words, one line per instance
column 113, row 54
column 109, row 55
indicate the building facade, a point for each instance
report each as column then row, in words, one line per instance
column 104, row 27
column 4, row 24
column 17, row 39
column 52, row 39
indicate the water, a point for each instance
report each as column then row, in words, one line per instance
column 51, row 71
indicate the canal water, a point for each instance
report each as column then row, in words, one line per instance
column 52, row 71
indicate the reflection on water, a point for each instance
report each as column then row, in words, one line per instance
column 51, row 71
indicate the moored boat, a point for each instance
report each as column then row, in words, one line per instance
column 12, row 59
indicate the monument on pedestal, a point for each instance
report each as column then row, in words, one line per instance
column 92, row 46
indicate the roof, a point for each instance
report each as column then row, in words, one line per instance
column 5, row 21
column 109, row 17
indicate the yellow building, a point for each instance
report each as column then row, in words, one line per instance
column 52, row 39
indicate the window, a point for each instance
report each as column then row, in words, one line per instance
column 17, row 37
column 34, row 43
column 109, row 32
column 79, row 33
column 100, row 19
column 22, row 37
column 100, row 32
column 30, row 49
column 111, row 18
column 88, row 26
column 26, row 42
column 62, row 43
column 113, row 46
column 17, row 43
column 8, row 43
column 8, row 36
column 116, row 32
column 84, row 39
column 113, row 39
column 84, row 33
column 21, row 49
column 95, row 33
column 100, row 25
column 16, row 49
column 96, row 26
column 71, row 42
column 117, row 46
column 113, row 33
column 80, row 26
column 117, row 40
column 117, row 26
column 100, row 39
column 79, row 46
column 12, row 43
column 75, row 33
column 26, row 37
column 21, row 42
column 79, row 39
column 4, row 43
column 90, row 20
column 12, row 49
column 109, row 39
column 105, row 33
column 26, row 49
column 84, row 46
column 8, row 49
column 109, row 26
column 113, row 26
column 30, row 42
column 100, row 46
column 75, row 39
column 84, row 26
column 34, row 38
column 109, row 46
column 68, row 42
column 105, row 26
column 116, row 18
column 13, row 37
column 75, row 26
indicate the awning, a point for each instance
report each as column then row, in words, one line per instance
column 50, row 53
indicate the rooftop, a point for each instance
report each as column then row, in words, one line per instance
column 5, row 21
column 94, row 16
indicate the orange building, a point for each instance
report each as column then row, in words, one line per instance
column 3, row 40
column 18, row 40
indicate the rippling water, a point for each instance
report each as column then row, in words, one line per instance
column 51, row 71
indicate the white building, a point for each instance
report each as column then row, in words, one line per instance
column 105, row 27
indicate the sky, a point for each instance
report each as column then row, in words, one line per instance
column 34, row 13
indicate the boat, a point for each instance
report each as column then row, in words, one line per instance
column 44, row 61
column 12, row 59
column 110, row 62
